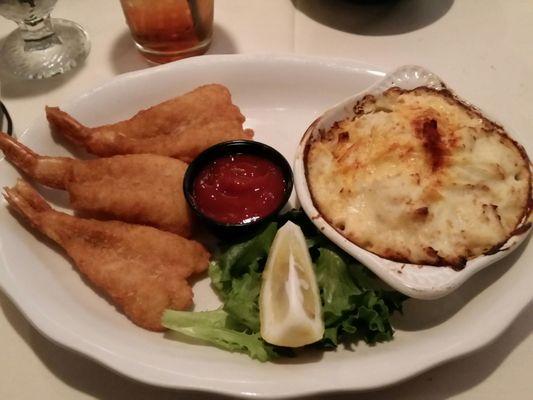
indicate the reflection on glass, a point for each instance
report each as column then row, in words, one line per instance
column 41, row 47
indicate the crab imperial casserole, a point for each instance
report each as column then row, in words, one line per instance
column 420, row 177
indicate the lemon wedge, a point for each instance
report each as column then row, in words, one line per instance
column 289, row 304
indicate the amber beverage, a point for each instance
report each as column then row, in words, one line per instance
column 168, row 30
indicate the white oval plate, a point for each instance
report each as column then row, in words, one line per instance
column 281, row 96
column 418, row 281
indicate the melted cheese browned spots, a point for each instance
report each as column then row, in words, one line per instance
column 417, row 176
column 433, row 143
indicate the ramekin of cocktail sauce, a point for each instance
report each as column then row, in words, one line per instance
column 238, row 186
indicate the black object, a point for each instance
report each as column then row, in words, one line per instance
column 5, row 113
column 235, row 147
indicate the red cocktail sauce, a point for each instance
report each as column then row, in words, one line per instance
column 239, row 188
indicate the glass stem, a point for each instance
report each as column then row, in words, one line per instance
column 38, row 34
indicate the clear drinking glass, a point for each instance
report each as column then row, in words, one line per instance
column 41, row 47
column 168, row 30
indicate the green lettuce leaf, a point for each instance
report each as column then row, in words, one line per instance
column 242, row 301
column 241, row 258
column 337, row 289
column 354, row 305
column 216, row 328
column 236, row 276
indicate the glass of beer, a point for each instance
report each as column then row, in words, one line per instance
column 168, row 30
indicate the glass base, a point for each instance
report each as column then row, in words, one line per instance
column 66, row 49
column 161, row 57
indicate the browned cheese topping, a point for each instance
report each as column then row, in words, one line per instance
column 420, row 177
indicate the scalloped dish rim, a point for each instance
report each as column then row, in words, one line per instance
column 439, row 280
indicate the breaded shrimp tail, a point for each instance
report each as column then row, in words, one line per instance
column 67, row 125
column 141, row 269
column 181, row 127
column 25, row 200
column 50, row 171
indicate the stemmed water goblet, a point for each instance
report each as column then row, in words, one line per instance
column 41, row 46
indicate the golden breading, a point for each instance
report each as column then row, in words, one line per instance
column 419, row 177
column 141, row 269
column 181, row 127
column 138, row 188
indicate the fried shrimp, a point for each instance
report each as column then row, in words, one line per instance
column 181, row 127
column 137, row 188
column 141, row 269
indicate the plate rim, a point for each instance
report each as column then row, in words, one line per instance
column 122, row 365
